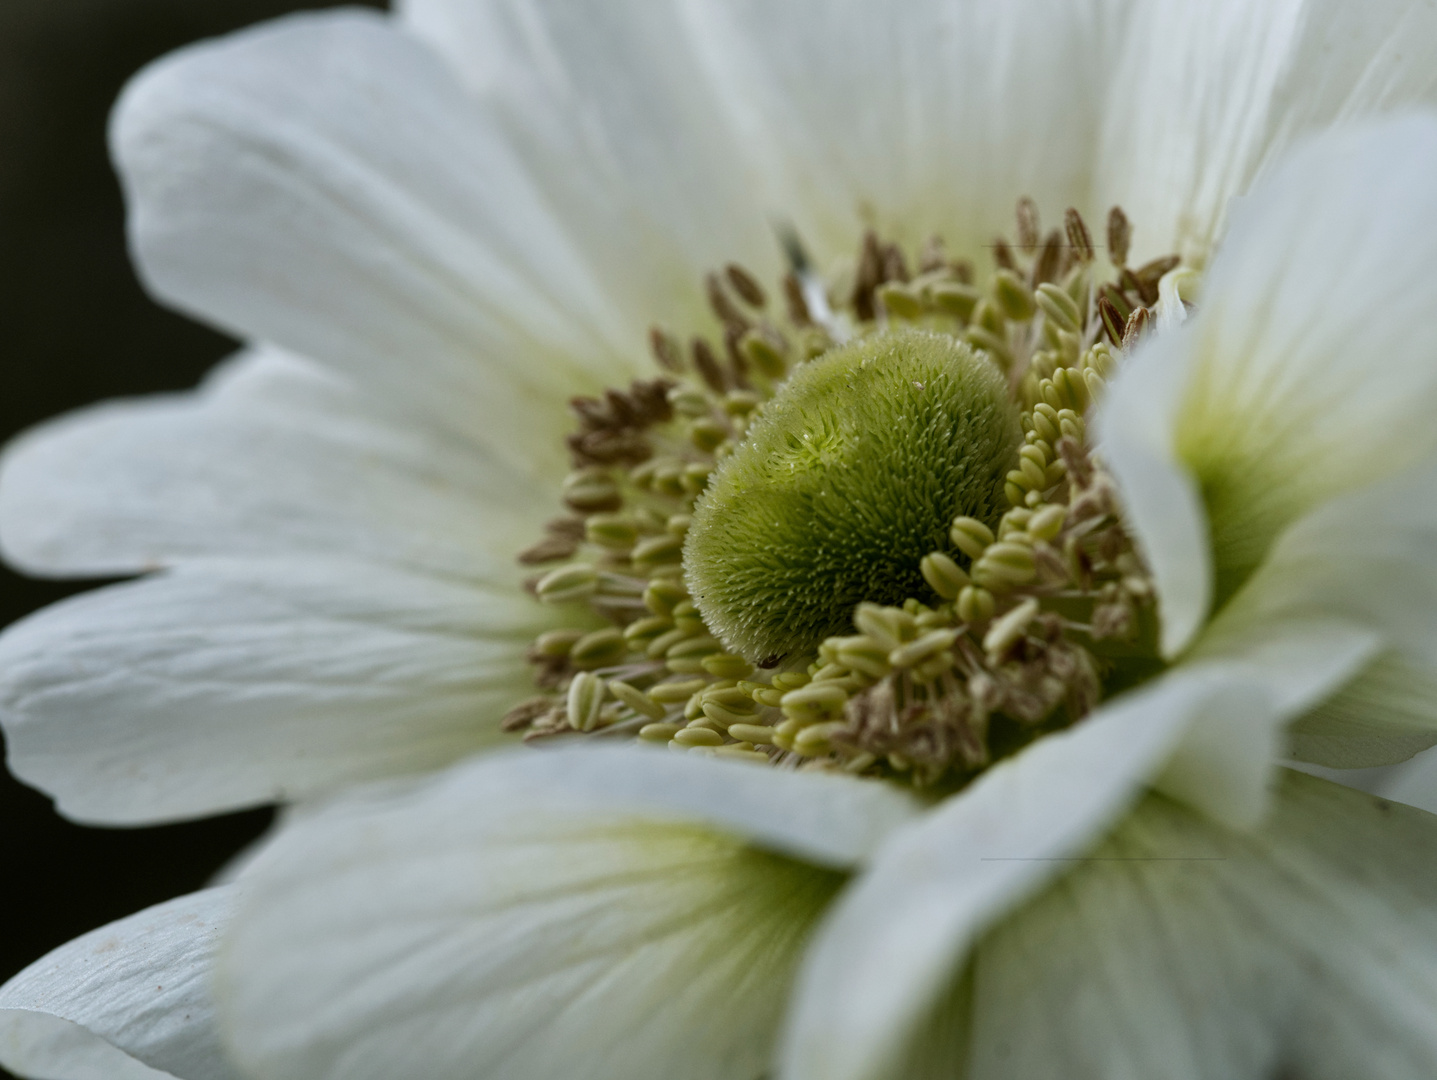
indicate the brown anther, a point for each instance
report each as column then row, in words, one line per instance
column 621, row 409
column 962, row 270
column 650, row 401
column 737, row 362
column 797, row 306
column 1075, row 461
column 550, row 549
column 1120, row 235
column 746, row 285
column 1048, row 265
column 666, row 350
column 1113, row 322
column 931, row 256
column 1003, row 255
column 707, row 365
column 868, row 277
column 1120, row 302
column 525, row 713
column 895, row 266
column 1028, row 231
column 723, row 307
column 592, row 413
column 613, row 447
column 1139, row 292
column 1137, row 323
column 1150, row 273
column 1079, row 238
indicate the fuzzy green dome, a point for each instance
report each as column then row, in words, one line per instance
column 847, row 478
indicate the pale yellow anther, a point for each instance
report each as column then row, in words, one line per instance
column 889, row 625
column 657, row 549
column 637, row 700
column 706, row 433
column 568, row 583
column 659, row 732
column 1006, row 631
column 590, row 489
column 813, row 741
column 944, row 576
column 662, row 594
column 688, row 402
column 739, row 753
column 814, row 698
column 865, row 654
column 671, row 693
column 915, row 652
column 760, row 734
column 1059, row 307
column 976, row 604
column 600, row 648
column 678, row 525
column 970, row 536
column 760, row 352
column 611, row 531
column 724, row 716
column 1046, row 523
column 640, row 632
column 664, row 642
column 791, row 680
column 726, row 665
column 954, row 298
column 556, row 642
column 698, row 736
column 899, row 302
column 586, row 697
column 1012, row 296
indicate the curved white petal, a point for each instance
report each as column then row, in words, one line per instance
column 129, row 1001
column 1292, row 392
column 323, row 182
column 1208, row 95
column 1182, row 951
column 1383, row 716
column 228, row 684
column 274, row 456
column 933, row 118
column 894, row 941
column 1364, row 558
column 583, row 913
column 607, row 105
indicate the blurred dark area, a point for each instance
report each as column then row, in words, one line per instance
column 77, row 328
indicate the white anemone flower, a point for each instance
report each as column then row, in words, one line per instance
column 454, row 250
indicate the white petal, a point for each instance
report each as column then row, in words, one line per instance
column 935, row 118
column 130, row 1001
column 1209, row 95
column 1181, row 951
column 1364, row 558
column 324, row 183
column 1290, row 391
column 582, row 913
column 893, row 943
column 1384, row 716
column 229, row 684
column 274, row 456
column 608, row 107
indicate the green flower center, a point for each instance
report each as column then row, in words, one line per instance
column 866, row 533
column 847, row 479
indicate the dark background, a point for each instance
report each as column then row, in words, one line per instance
column 75, row 327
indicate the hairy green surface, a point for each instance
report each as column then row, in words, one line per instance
column 848, row 477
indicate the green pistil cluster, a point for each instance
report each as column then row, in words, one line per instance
column 928, row 485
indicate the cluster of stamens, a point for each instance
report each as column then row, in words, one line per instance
column 1029, row 618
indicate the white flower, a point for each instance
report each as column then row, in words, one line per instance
column 326, row 185
column 459, row 248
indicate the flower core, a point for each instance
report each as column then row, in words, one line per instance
column 901, row 455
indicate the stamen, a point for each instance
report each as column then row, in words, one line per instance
column 1014, row 619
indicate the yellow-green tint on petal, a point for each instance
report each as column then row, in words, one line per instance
column 1182, row 950
column 1382, row 717
column 848, row 478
